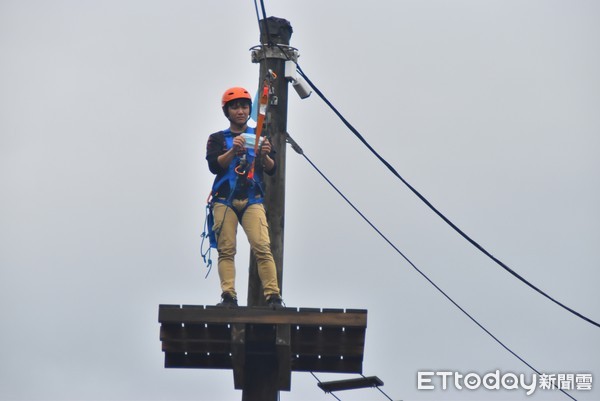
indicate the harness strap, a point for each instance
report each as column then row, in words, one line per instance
column 232, row 176
column 208, row 233
column 262, row 111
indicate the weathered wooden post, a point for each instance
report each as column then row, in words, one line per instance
column 272, row 55
column 261, row 372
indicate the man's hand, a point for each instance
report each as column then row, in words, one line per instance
column 238, row 148
column 239, row 143
column 266, row 148
column 267, row 162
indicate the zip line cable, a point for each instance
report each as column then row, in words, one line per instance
column 320, row 382
column 380, row 390
column 299, row 150
column 421, row 197
column 257, row 15
column 264, row 14
column 433, row 208
column 418, row 194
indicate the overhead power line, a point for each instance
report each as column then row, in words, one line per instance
column 299, row 150
column 264, row 16
column 422, row 198
column 433, row 208
column 319, row 381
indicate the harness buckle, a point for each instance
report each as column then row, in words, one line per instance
column 240, row 169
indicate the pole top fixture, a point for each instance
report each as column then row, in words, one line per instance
column 284, row 52
column 278, row 29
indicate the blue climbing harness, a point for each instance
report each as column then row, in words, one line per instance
column 237, row 176
column 240, row 186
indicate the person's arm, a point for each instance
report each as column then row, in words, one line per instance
column 226, row 158
column 214, row 148
column 217, row 156
column 267, row 162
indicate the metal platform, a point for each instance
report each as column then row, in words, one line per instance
column 314, row 340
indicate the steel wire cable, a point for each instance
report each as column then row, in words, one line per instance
column 380, row 390
column 434, row 209
column 299, row 150
column 425, row 200
column 319, row 381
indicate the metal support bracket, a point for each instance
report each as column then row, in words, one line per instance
column 284, row 52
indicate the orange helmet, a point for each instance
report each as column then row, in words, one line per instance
column 235, row 93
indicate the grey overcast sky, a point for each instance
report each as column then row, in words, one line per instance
column 490, row 108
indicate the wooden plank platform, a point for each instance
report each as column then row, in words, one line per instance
column 296, row 339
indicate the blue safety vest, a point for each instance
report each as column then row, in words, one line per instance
column 254, row 187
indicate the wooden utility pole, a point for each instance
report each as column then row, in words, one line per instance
column 261, row 372
column 272, row 56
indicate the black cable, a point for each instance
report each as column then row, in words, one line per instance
column 264, row 13
column 434, row 209
column 380, row 390
column 319, row 381
column 257, row 16
column 418, row 194
column 266, row 25
column 299, row 150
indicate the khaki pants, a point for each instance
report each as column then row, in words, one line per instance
column 254, row 223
